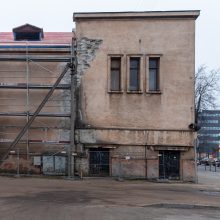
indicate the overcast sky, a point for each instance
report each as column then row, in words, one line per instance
column 56, row 15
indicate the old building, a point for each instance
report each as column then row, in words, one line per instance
column 136, row 94
column 128, row 110
column 30, row 62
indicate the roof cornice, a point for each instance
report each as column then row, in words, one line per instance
column 192, row 14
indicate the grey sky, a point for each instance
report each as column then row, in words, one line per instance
column 56, row 15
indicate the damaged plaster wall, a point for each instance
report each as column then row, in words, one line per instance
column 86, row 52
column 64, row 96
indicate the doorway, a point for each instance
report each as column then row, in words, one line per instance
column 99, row 162
column 169, row 165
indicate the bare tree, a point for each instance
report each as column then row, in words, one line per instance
column 206, row 89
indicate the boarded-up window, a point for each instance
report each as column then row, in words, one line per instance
column 134, row 76
column 153, row 74
column 115, row 74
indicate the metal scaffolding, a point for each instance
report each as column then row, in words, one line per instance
column 34, row 58
column 31, row 114
column 31, row 86
column 26, row 54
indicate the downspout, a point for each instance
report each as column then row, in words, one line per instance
column 72, row 148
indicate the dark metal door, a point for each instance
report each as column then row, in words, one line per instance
column 54, row 165
column 99, row 162
column 169, row 165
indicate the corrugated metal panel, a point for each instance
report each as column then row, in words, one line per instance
column 60, row 165
column 48, row 164
column 54, row 165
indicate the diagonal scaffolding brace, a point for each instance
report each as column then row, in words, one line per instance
column 28, row 124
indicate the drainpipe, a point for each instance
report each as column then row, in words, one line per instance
column 72, row 148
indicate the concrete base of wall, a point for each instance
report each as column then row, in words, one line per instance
column 139, row 162
column 124, row 162
column 10, row 165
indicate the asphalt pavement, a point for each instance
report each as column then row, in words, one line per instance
column 52, row 199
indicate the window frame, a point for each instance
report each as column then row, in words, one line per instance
column 158, row 79
column 140, row 77
column 110, row 57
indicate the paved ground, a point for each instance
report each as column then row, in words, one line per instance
column 208, row 176
column 36, row 198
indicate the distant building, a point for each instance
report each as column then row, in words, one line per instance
column 209, row 134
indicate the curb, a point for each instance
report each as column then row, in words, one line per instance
column 182, row 206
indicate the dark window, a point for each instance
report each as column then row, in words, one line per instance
column 29, row 36
column 115, row 74
column 134, row 79
column 154, row 74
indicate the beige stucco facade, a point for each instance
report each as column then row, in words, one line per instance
column 138, row 126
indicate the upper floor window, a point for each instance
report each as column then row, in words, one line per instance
column 132, row 68
column 115, row 74
column 134, row 74
column 154, row 74
column 28, row 32
column 27, row 36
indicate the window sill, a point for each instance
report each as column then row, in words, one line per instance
column 135, row 92
column 154, row 92
column 115, row 92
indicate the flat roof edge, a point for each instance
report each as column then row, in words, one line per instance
column 193, row 14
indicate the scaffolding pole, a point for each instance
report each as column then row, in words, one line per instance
column 41, row 58
column 27, row 99
column 46, row 114
column 32, row 86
